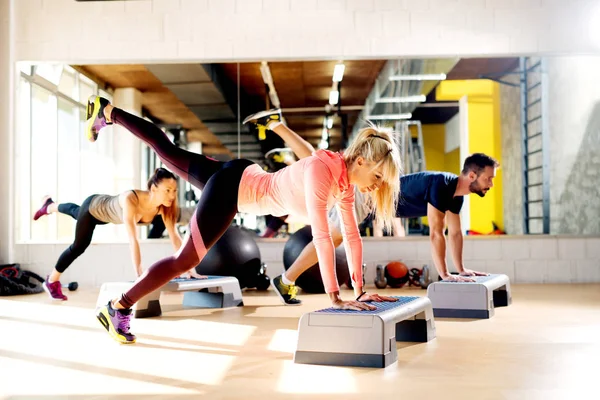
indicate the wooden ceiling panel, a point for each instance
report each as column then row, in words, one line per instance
column 157, row 100
column 473, row 68
column 122, row 76
column 301, row 84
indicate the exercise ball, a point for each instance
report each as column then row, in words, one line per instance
column 311, row 281
column 396, row 274
column 234, row 254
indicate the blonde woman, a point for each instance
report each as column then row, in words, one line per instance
column 307, row 188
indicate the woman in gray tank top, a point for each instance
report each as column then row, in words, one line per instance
column 131, row 208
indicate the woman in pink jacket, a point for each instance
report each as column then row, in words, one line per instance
column 307, row 188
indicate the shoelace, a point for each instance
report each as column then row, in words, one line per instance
column 123, row 322
column 292, row 291
column 55, row 288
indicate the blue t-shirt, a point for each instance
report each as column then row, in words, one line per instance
column 421, row 188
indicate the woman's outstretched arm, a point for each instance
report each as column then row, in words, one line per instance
column 129, row 219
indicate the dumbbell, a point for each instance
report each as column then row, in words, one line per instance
column 72, row 286
column 380, row 279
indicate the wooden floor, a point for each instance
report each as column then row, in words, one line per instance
column 546, row 345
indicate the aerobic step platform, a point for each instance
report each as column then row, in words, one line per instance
column 212, row 292
column 363, row 338
column 470, row 299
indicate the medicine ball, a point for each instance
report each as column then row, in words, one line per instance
column 311, row 281
column 234, row 254
column 396, row 274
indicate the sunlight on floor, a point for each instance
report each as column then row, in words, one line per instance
column 533, row 349
column 92, row 349
column 194, row 330
column 36, row 379
column 313, row 379
column 183, row 346
column 548, row 394
column 55, row 313
column 284, row 340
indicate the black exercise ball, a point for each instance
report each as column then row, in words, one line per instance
column 235, row 254
column 311, row 281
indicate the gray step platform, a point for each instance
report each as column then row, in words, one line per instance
column 212, row 292
column 470, row 299
column 363, row 338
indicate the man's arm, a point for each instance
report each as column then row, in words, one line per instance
column 438, row 242
column 455, row 238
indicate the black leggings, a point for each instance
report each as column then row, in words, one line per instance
column 216, row 209
column 157, row 228
column 194, row 168
column 84, row 230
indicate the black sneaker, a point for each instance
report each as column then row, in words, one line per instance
column 287, row 293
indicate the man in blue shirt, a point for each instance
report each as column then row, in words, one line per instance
column 439, row 196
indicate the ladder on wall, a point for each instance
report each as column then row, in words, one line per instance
column 535, row 146
column 412, row 152
column 411, row 148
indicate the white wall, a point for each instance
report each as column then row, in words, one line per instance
column 512, row 155
column 211, row 30
column 452, row 129
column 574, row 122
column 524, row 259
column 6, row 128
column 220, row 30
column 574, row 131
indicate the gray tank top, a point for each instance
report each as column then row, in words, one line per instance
column 106, row 208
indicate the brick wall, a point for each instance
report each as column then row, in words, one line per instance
column 524, row 259
column 167, row 30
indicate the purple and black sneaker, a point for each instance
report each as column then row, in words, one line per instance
column 95, row 117
column 116, row 322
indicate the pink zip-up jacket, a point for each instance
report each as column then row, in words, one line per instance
column 308, row 189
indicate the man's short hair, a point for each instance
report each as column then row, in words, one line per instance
column 477, row 162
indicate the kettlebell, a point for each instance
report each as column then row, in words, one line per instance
column 380, row 280
column 425, row 280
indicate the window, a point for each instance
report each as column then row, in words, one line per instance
column 86, row 89
column 43, row 156
column 68, row 83
column 22, row 159
column 52, row 156
column 68, row 172
column 50, row 72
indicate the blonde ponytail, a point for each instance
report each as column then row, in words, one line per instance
column 379, row 145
